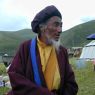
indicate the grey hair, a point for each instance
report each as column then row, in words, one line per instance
column 44, row 23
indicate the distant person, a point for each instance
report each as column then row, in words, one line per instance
column 41, row 66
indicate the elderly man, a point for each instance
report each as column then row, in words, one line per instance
column 41, row 65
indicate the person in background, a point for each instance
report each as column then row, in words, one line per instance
column 41, row 66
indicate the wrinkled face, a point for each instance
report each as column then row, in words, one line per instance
column 53, row 28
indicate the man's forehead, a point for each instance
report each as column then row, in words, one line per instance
column 55, row 19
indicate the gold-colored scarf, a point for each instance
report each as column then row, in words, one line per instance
column 49, row 65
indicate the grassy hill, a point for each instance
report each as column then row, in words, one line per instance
column 76, row 36
column 9, row 41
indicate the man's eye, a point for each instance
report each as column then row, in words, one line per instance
column 56, row 24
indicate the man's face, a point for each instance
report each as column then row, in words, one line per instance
column 53, row 28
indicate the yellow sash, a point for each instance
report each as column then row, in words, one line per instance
column 49, row 65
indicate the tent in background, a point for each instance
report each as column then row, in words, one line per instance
column 91, row 37
column 88, row 51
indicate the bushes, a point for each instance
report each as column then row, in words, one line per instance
column 2, row 69
column 3, row 72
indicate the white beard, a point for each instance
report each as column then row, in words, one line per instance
column 56, row 44
column 53, row 42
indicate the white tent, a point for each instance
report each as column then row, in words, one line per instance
column 88, row 51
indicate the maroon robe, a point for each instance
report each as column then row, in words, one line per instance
column 22, row 77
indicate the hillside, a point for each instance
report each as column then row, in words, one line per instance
column 9, row 41
column 76, row 36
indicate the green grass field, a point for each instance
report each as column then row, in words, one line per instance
column 85, row 78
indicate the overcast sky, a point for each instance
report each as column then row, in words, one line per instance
column 18, row 14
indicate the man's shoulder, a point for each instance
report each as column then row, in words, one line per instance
column 26, row 42
column 63, row 48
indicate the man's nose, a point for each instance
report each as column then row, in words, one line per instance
column 59, row 29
